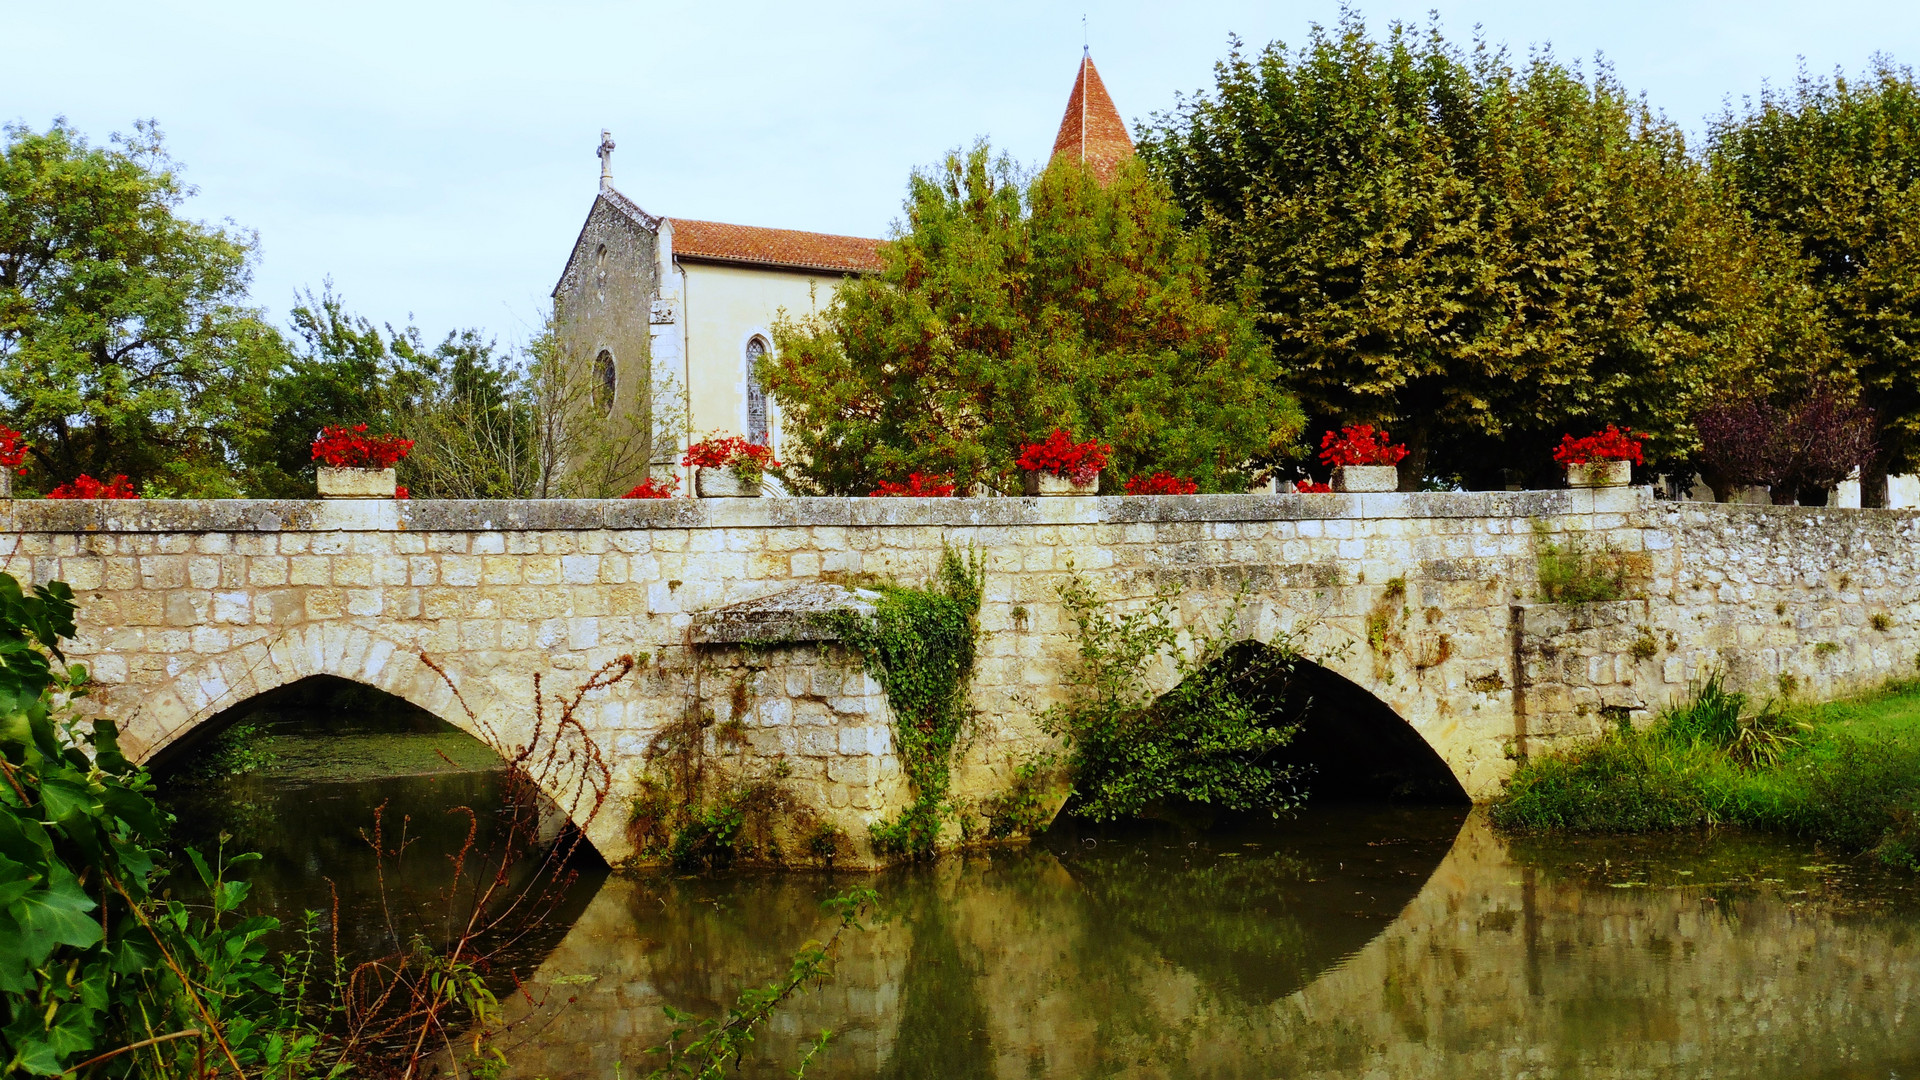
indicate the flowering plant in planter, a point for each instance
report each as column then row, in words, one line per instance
column 918, row 486
column 654, row 488
column 748, row 461
column 1360, row 444
column 1603, row 459
column 1612, row 444
column 86, row 487
column 1312, row 487
column 1161, row 483
column 1061, row 456
column 13, row 449
column 352, row 448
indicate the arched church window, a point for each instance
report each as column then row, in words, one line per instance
column 757, row 428
column 606, row 381
column 600, row 269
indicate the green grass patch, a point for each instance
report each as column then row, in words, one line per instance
column 1844, row 772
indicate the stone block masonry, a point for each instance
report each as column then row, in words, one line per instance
column 1428, row 601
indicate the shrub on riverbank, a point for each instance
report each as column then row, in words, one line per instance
column 1846, row 773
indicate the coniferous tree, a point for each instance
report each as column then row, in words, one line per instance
column 1010, row 306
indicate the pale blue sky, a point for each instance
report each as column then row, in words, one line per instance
column 437, row 159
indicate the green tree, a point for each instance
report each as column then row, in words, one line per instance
column 126, row 343
column 465, row 403
column 1478, row 256
column 1833, row 167
column 1009, row 307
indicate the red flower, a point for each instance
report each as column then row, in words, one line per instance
column 918, row 486
column 1061, row 456
column 651, row 488
column 1311, row 487
column 1360, row 444
column 351, row 448
column 13, row 448
column 1161, row 483
column 86, row 487
column 400, row 492
column 1612, row 444
column 717, row 451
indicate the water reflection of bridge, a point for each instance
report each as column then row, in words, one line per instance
column 1403, row 952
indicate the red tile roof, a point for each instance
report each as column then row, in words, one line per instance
column 1092, row 131
column 715, row 241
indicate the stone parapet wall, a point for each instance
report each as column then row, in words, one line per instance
column 1426, row 600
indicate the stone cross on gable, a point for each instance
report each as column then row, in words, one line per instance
column 606, row 159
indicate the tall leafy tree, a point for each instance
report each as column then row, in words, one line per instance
column 1832, row 166
column 1010, row 306
column 126, row 341
column 1477, row 254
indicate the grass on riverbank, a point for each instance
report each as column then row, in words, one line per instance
column 1845, row 773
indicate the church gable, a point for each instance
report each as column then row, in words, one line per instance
column 617, row 236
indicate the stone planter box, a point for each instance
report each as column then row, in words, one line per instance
column 1037, row 482
column 1366, row 478
column 721, row 483
column 356, row 483
column 1595, row 474
column 6, row 483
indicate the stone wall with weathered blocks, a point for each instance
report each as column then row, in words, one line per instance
column 1428, row 601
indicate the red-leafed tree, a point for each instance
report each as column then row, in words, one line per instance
column 1806, row 447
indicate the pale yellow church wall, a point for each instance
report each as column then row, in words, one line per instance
column 725, row 306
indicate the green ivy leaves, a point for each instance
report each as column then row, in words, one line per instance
column 919, row 645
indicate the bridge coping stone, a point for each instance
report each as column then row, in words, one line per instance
column 513, row 515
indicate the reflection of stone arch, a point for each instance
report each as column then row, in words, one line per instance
column 200, row 693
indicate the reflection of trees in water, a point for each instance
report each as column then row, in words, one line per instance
column 1224, row 920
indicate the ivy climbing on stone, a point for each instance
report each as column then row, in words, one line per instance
column 919, row 646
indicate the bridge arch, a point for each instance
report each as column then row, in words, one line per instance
column 1348, row 744
column 166, row 713
column 474, row 704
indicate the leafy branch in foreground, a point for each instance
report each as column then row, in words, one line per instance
column 721, row 1041
column 96, row 971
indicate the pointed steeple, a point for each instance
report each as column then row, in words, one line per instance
column 1092, row 132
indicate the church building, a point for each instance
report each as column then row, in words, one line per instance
column 675, row 312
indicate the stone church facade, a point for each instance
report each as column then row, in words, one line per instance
column 675, row 312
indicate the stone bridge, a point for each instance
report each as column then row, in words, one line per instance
column 1423, row 608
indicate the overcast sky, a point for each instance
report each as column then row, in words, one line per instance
column 436, row 160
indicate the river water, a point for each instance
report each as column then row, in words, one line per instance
column 1347, row 942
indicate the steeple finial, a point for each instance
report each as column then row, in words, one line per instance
column 606, row 159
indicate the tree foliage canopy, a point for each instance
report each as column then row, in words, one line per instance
column 126, row 341
column 1832, row 166
column 1478, row 255
column 1009, row 307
